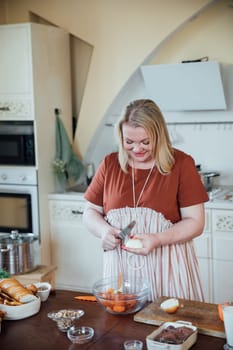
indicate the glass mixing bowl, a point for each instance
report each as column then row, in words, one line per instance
column 131, row 297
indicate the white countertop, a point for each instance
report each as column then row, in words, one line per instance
column 67, row 196
column 221, row 198
column 72, row 196
column 219, row 205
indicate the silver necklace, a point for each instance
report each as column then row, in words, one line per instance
column 144, row 186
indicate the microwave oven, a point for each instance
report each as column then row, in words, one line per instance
column 17, row 144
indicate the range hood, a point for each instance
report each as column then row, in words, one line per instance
column 185, row 86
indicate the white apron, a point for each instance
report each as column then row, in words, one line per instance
column 171, row 270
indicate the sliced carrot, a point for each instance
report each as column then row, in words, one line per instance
column 220, row 313
column 118, row 308
column 120, row 281
column 220, row 310
column 109, row 291
column 86, row 297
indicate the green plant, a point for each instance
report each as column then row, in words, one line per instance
column 59, row 168
column 4, row 273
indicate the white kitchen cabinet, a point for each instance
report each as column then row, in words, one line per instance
column 214, row 249
column 76, row 252
column 15, row 46
column 34, row 71
column 16, row 88
column 223, row 284
column 205, row 266
column 35, row 80
column 222, row 255
column 203, row 250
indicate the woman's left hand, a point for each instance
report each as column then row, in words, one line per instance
column 149, row 242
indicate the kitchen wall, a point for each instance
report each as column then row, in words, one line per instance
column 122, row 34
column 206, row 135
column 209, row 34
column 2, row 12
column 126, row 34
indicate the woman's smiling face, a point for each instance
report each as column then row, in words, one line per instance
column 137, row 144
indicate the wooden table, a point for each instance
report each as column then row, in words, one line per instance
column 40, row 333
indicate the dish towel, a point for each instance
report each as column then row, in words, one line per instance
column 66, row 164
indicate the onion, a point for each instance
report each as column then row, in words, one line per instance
column 170, row 305
column 134, row 243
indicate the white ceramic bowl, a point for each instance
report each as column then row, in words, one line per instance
column 44, row 289
column 2, row 314
column 19, row 312
column 80, row 335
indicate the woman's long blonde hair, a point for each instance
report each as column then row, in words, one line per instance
column 146, row 114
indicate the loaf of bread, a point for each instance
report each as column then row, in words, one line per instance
column 16, row 290
column 32, row 288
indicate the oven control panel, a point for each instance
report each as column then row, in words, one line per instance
column 18, row 176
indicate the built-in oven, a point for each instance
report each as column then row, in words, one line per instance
column 17, row 144
column 19, row 219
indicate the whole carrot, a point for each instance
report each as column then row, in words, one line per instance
column 86, row 297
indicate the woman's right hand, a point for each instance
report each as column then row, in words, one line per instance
column 94, row 220
column 109, row 239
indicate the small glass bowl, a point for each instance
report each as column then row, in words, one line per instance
column 80, row 335
column 65, row 318
column 133, row 345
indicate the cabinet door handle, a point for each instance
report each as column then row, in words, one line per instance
column 77, row 212
column 4, row 108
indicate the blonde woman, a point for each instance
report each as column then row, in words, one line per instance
column 159, row 187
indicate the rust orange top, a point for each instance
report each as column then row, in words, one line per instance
column 111, row 188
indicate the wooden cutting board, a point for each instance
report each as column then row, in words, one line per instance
column 202, row 315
